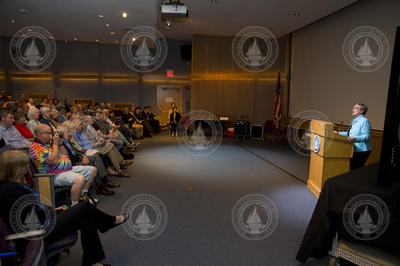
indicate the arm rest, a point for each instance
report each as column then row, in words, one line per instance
column 26, row 234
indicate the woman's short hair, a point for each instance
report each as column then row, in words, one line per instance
column 31, row 111
column 363, row 108
column 11, row 162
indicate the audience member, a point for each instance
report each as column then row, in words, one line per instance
column 48, row 158
column 20, row 125
column 46, row 118
column 83, row 217
column 33, row 116
column 109, row 149
column 77, row 157
column 10, row 134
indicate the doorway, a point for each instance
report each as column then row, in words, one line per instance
column 165, row 96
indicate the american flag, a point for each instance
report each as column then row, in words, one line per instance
column 277, row 102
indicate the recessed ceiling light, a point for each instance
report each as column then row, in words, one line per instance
column 22, row 10
column 29, row 30
column 116, row 41
column 112, row 33
column 133, row 39
column 124, row 14
column 296, row 14
column 75, row 39
column 11, row 20
column 214, row 1
column 97, row 40
column 101, row 16
column 107, row 25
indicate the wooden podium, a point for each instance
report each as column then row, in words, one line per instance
column 330, row 155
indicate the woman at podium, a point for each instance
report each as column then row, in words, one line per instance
column 359, row 133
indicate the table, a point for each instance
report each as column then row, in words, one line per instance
column 327, row 217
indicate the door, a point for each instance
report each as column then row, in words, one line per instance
column 165, row 96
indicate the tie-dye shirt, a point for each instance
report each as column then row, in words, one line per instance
column 39, row 153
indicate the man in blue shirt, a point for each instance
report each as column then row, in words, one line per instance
column 108, row 149
column 10, row 134
column 359, row 133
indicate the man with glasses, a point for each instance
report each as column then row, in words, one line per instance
column 48, row 158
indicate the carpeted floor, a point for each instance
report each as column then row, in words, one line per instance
column 199, row 229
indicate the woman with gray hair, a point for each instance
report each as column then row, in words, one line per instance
column 33, row 116
column 359, row 133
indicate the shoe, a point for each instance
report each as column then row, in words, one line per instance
column 122, row 174
column 126, row 217
column 111, row 172
column 113, row 185
column 105, row 191
column 126, row 163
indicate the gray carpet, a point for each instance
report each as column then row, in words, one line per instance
column 281, row 155
column 199, row 229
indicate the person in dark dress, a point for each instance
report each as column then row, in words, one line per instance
column 83, row 217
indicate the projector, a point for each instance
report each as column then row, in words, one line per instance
column 175, row 13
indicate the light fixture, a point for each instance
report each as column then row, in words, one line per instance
column 11, row 20
column 297, row 14
column 97, row 40
column 133, row 39
column 75, row 39
column 29, row 30
column 116, row 41
column 214, row 1
column 107, row 25
column 124, row 14
column 112, row 33
column 51, row 37
column 101, row 16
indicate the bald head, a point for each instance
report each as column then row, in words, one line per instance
column 43, row 133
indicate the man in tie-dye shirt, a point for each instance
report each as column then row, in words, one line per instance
column 46, row 154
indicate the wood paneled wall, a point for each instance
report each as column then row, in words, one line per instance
column 220, row 86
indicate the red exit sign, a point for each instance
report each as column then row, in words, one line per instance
column 170, row 73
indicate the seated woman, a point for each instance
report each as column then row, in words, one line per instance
column 83, row 217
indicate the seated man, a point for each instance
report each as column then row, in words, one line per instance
column 20, row 125
column 105, row 131
column 10, row 134
column 49, row 159
column 107, row 148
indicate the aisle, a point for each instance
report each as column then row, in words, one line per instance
column 199, row 229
